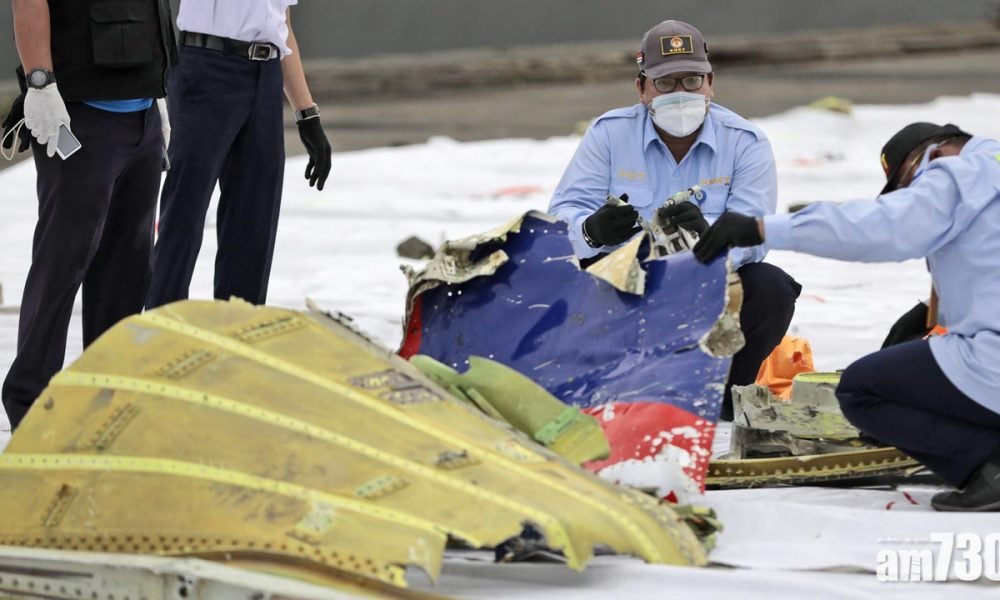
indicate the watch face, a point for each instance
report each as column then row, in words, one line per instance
column 307, row 113
column 38, row 78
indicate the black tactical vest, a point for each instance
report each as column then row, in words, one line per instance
column 111, row 49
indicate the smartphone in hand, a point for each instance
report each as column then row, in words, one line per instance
column 66, row 143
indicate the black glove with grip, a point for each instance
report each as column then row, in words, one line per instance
column 911, row 326
column 731, row 230
column 14, row 116
column 685, row 215
column 314, row 139
column 611, row 225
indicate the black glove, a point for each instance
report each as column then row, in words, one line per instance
column 15, row 114
column 732, row 229
column 686, row 215
column 314, row 139
column 911, row 326
column 611, row 225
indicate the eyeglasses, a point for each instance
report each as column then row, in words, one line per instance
column 665, row 85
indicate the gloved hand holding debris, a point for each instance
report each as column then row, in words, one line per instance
column 685, row 215
column 611, row 225
column 732, row 230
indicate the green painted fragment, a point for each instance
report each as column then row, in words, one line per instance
column 507, row 395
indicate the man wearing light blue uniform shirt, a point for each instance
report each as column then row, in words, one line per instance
column 937, row 399
column 673, row 139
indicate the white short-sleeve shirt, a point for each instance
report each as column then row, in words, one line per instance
column 244, row 20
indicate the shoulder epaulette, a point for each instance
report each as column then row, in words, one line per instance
column 627, row 112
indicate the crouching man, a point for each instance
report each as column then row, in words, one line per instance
column 673, row 139
column 938, row 399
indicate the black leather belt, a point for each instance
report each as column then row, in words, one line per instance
column 260, row 51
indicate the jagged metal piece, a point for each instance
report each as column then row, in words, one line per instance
column 649, row 362
column 668, row 238
column 799, row 441
column 665, row 238
column 812, row 412
column 805, row 470
column 507, row 395
column 621, row 268
column 293, row 446
column 72, row 575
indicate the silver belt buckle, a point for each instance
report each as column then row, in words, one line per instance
column 261, row 51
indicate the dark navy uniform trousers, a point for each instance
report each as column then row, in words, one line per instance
column 226, row 115
column 769, row 296
column 901, row 397
column 95, row 229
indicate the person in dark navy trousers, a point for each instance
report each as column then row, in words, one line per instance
column 937, row 399
column 225, row 103
column 674, row 138
column 93, row 70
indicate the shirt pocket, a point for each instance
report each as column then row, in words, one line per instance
column 640, row 194
column 122, row 35
column 714, row 201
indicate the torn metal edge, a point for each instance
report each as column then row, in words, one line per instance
column 621, row 268
column 725, row 338
column 451, row 263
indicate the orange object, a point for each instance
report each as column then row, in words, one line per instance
column 791, row 357
column 938, row 330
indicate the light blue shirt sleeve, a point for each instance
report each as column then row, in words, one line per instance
column 584, row 186
column 755, row 193
column 731, row 159
column 908, row 223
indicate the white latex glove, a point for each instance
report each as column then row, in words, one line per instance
column 161, row 103
column 44, row 112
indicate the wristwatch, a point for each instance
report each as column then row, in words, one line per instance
column 39, row 78
column 586, row 237
column 311, row 112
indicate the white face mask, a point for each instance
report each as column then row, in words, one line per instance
column 916, row 168
column 924, row 161
column 679, row 113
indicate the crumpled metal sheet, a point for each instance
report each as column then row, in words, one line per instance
column 275, row 440
column 458, row 261
column 72, row 575
column 812, row 412
column 650, row 365
column 622, row 269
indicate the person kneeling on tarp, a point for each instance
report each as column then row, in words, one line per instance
column 938, row 400
column 675, row 138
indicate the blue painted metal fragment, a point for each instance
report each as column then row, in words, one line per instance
column 592, row 345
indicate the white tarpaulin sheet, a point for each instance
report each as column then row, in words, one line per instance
column 338, row 247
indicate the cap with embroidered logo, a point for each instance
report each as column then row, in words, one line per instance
column 673, row 47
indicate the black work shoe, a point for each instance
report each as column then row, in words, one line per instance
column 980, row 494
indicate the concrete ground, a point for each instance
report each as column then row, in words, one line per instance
column 541, row 111
column 545, row 110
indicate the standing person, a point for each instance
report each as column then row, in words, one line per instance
column 226, row 106
column 938, row 400
column 675, row 138
column 92, row 70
